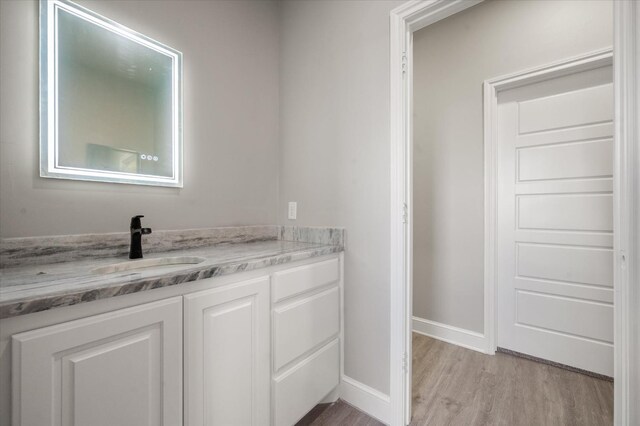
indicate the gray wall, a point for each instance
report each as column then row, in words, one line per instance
column 334, row 149
column 231, row 51
column 334, row 87
column 451, row 60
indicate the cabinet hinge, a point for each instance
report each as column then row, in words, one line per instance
column 405, row 213
column 405, row 363
column 404, row 64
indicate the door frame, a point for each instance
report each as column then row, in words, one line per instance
column 491, row 89
column 415, row 15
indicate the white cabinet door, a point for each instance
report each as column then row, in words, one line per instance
column 227, row 355
column 555, row 288
column 120, row 368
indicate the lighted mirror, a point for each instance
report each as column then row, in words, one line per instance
column 110, row 100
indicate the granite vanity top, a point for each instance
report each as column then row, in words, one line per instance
column 32, row 288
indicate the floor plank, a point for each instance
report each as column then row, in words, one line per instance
column 312, row 415
column 342, row 414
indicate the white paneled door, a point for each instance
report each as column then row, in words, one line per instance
column 555, row 207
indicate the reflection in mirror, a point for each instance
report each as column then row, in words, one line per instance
column 112, row 101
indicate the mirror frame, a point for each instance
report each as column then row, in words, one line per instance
column 49, row 94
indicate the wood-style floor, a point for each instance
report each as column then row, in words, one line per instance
column 457, row 386
column 338, row 413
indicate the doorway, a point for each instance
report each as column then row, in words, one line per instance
column 407, row 20
column 553, row 223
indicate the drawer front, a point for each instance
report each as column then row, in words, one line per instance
column 300, row 389
column 304, row 324
column 304, row 278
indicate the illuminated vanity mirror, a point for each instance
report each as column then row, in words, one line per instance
column 110, row 100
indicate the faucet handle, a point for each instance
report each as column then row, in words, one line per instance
column 135, row 222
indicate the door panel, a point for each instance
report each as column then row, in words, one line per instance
column 555, row 215
column 119, row 368
column 577, row 291
column 563, row 161
column 583, row 265
column 95, row 380
column 580, row 107
column 574, row 212
column 227, row 371
column 228, row 367
column 570, row 134
column 559, row 313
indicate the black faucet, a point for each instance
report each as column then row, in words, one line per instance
column 135, row 252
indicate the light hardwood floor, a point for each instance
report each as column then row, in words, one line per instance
column 457, row 386
column 339, row 413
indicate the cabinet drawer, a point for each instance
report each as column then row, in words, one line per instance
column 304, row 324
column 300, row 389
column 304, row 278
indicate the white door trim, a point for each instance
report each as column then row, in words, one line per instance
column 627, row 212
column 492, row 87
column 415, row 15
column 405, row 19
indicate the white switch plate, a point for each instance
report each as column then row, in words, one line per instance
column 293, row 210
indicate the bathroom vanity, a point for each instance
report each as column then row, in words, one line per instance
column 250, row 335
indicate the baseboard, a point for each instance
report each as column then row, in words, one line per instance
column 447, row 333
column 555, row 364
column 366, row 399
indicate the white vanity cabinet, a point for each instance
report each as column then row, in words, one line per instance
column 227, row 353
column 120, row 368
column 260, row 347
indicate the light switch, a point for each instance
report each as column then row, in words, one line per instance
column 293, row 210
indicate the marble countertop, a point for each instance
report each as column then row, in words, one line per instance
column 34, row 288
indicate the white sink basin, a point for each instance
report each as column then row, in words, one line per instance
column 148, row 263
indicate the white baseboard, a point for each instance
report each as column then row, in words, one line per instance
column 447, row 333
column 373, row 402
